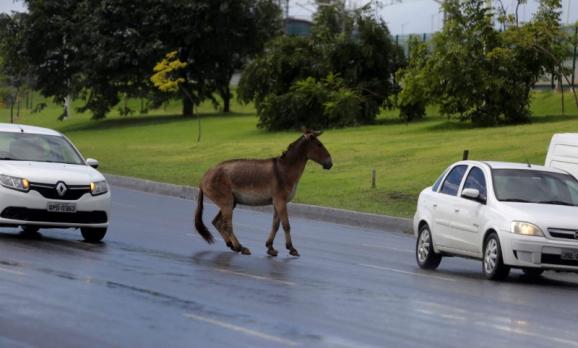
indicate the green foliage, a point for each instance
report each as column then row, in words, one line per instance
column 14, row 75
column 312, row 103
column 100, row 49
column 286, row 82
column 478, row 73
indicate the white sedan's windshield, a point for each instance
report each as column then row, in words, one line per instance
column 37, row 148
column 533, row 186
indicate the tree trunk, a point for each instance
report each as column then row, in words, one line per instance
column 226, row 96
column 12, row 111
column 187, row 106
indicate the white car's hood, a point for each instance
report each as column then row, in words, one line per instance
column 543, row 215
column 51, row 173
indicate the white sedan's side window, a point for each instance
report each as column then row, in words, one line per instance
column 453, row 180
column 476, row 180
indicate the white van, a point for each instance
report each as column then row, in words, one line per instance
column 563, row 153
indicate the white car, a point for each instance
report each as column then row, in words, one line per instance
column 46, row 183
column 509, row 215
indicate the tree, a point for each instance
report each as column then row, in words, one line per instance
column 168, row 78
column 14, row 69
column 350, row 54
column 99, row 50
column 220, row 38
column 477, row 72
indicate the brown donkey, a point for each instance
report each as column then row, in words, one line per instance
column 258, row 182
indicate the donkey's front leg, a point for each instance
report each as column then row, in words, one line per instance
column 281, row 207
column 270, row 250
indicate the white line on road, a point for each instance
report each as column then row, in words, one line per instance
column 243, row 330
column 522, row 332
column 406, row 272
column 10, row 271
column 255, row 276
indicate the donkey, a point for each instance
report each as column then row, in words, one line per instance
column 258, row 182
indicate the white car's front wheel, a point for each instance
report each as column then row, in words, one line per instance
column 93, row 235
column 424, row 253
column 493, row 263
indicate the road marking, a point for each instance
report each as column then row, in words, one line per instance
column 387, row 248
column 10, row 271
column 243, row 330
column 255, row 276
column 523, row 332
column 406, row 272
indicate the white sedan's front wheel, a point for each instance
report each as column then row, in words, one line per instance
column 93, row 235
column 493, row 263
column 424, row 253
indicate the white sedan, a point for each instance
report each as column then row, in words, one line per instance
column 508, row 215
column 46, row 183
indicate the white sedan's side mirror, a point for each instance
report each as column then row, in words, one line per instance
column 92, row 162
column 472, row 193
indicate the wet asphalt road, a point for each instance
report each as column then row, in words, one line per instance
column 153, row 283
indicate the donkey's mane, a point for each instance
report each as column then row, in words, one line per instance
column 291, row 146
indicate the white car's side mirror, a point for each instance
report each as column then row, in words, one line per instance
column 471, row 193
column 92, row 162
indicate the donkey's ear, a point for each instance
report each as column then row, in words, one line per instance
column 317, row 133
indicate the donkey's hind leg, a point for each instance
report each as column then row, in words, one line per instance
column 228, row 227
column 276, row 221
column 218, row 223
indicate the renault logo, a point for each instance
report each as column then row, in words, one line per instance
column 61, row 189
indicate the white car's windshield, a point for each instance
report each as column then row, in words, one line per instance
column 533, row 186
column 37, row 148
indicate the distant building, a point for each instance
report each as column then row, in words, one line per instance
column 297, row 27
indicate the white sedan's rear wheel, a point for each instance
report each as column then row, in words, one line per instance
column 493, row 263
column 93, row 235
column 424, row 253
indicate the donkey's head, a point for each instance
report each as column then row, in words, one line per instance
column 315, row 149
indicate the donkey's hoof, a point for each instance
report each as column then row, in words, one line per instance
column 245, row 251
column 272, row 252
column 293, row 252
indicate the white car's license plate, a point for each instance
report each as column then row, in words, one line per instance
column 58, row 207
column 569, row 254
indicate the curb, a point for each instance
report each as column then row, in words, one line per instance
column 339, row 216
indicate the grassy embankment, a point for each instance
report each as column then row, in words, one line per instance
column 407, row 157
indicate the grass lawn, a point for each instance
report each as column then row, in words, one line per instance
column 407, row 157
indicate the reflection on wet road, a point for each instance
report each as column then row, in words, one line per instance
column 155, row 283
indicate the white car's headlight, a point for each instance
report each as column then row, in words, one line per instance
column 14, row 183
column 526, row 229
column 98, row 188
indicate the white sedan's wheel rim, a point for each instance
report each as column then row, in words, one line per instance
column 491, row 256
column 423, row 246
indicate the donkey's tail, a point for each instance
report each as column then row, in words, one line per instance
column 201, row 228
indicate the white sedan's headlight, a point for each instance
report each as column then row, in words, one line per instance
column 14, row 183
column 98, row 188
column 526, row 229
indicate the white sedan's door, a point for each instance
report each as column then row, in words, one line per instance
column 443, row 207
column 468, row 213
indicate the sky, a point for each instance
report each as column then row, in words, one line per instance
column 407, row 17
